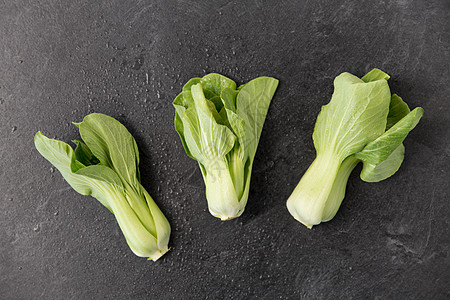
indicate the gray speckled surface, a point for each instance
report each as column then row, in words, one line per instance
column 60, row 60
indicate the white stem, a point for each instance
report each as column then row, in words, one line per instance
column 307, row 202
column 337, row 192
column 220, row 192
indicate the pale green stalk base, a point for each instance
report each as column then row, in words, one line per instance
column 221, row 196
column 144, row 226
column 224, row 202
column 337, row 192
column 321, row 190
column 222, row 218
column 157, row 255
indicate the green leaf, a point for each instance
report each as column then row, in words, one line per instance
column 217, row 83
column 214, row 112
column 374, row 75
column 228, row 97
column 398, row 109
column 62, row 156
column 210, row 83
column 190, row 83
column 224, row 117
column 384, row 169
column 252, row 104
column 237, row 125
column 382, row 147
column 218, row 104
column 84, row 155
column 181, row 103
column 100, row 173
column 179, row 127
column 355, row 116
column 215, row 140
column 192, row 134
column 210, row 94
column 112, row 144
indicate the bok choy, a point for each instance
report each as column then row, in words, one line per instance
column 362, row 123
column 220, row 125
column 105, row 165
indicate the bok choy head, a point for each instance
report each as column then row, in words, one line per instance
column 105, row 165
column 362, row 123
column 219, row 125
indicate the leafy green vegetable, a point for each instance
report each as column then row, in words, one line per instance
column 362, row 123
column 219, row 125
column 105, row 166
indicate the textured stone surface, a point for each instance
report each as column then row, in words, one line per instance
column 60, row 60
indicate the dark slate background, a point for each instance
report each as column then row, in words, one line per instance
column 61, row 60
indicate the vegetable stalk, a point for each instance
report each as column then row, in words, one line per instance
column 313, row 190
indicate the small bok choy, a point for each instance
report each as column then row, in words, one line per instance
column 105, row 166
column 362, row 123
column 219, row 125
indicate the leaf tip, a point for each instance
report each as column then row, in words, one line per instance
column 38, row 136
